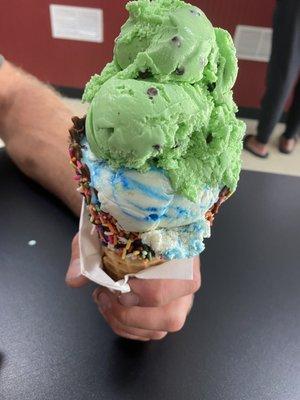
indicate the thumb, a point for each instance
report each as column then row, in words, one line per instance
column 74, row 278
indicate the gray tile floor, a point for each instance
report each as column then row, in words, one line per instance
column 277, row 162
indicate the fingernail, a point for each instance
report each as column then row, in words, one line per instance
column 129, row 299
column 104, row 302
column 74, row 271
column 95, row 295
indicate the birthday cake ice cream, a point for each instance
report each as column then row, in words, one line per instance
column 159, row 150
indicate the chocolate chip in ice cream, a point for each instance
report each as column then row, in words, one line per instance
column 195, row 12
column 211, row 86
column 176, row 41
column 209, row 138
column 157, row 147
column 179, row 70
column 146, row 74
column 152, row 92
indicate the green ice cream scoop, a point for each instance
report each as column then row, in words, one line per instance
column 134, row 123
column 171, row 40
column 166, row 98
column 177, row 127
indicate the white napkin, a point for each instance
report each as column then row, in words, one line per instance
column 91, row 261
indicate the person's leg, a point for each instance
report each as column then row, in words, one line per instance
column 288, row 140
column 293, row 119
column 281, row 75
column 283, row 68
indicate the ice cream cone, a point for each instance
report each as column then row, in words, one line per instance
column 159, row 150
column 117, row 268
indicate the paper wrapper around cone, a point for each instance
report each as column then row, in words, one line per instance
column 91, row 261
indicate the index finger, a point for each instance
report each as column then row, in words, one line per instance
column 159, row 292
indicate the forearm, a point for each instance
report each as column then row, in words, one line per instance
column 34, row 125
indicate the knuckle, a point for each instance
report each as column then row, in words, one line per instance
column 158, row 335
column 95, row 294
column 157, row 298
column 117, row 331
column 156, row 295
column 126, row 335
column 176, row 322
column 123, row 317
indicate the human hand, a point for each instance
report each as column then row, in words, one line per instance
column 150, row 311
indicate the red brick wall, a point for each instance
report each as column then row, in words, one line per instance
column 25, row 39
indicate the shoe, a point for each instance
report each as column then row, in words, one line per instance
column 251, row 150
column 286, row 146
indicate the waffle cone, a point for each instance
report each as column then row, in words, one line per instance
column 117, row 268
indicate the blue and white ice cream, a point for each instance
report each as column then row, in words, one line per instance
column 172, row 225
